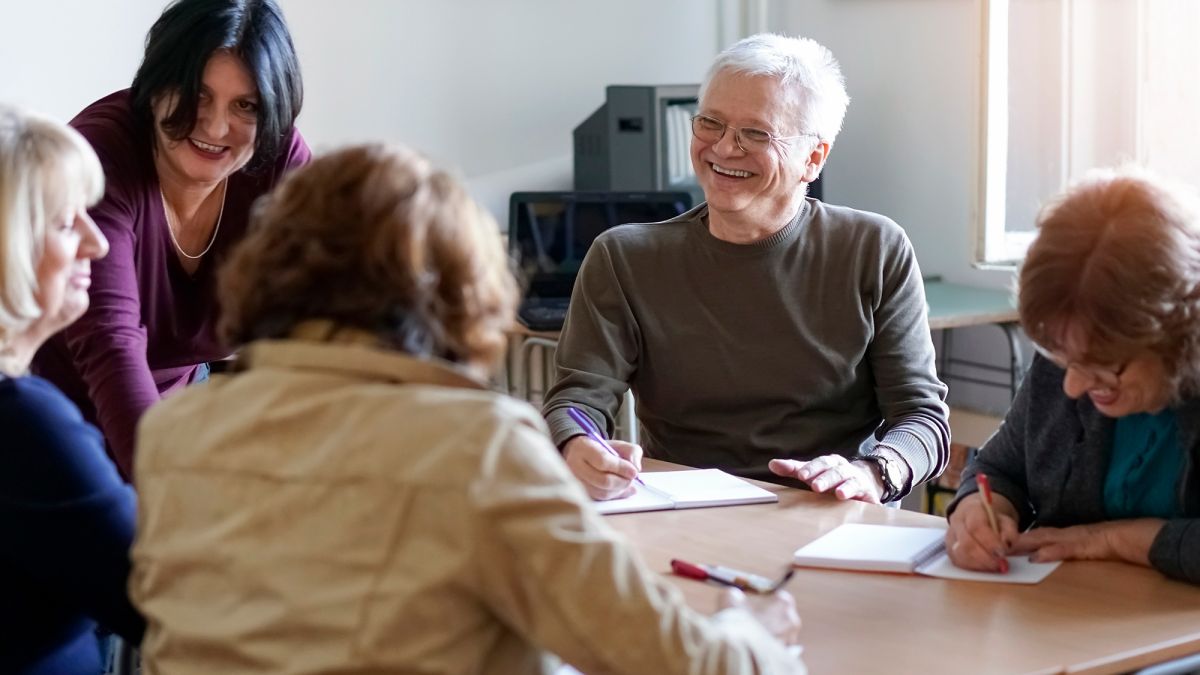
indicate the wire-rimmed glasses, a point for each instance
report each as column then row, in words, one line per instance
column 750, row 140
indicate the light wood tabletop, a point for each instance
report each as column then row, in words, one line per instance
column 1086, row 617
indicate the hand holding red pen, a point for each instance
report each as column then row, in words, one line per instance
column 772, row 606
column 775, row 611
column 977, row 539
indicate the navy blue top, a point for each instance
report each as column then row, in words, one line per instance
column 66, row 525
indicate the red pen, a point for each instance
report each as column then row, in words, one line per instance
column 985, row 488
column 752, row 583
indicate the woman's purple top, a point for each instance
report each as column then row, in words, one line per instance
column 150, row 323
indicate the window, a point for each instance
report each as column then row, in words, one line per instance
column 1076, row 84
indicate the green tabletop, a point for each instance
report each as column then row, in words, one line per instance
column 958, row 305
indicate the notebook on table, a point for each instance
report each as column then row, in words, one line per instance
column 905, row 550
column 691, row 489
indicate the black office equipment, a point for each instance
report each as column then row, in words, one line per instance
column 640, row 139
column 549, row 233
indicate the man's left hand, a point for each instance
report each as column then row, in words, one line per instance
column 846, row 479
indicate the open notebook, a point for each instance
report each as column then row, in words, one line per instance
column 908, row 550
column 691, row 489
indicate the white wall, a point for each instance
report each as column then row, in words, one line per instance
column 910, row 147
column 56, row 56
column 912, row 141
column 490, row 88
column 494, row 88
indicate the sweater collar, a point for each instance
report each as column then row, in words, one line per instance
column 779, row 239
column 323, row 346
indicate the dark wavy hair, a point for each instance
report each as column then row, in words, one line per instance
column 376, row 238
column 179, row 46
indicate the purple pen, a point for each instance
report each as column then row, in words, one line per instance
column 593, row 433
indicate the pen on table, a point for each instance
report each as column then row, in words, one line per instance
column 985, row 487
column 730, row 577
column 589, row 428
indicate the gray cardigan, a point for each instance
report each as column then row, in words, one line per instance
column 1050, row 459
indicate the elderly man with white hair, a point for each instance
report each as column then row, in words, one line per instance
column 763, row 332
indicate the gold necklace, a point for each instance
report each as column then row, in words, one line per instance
column 213, row 239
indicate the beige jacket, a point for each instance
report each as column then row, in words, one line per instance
column 338, row 508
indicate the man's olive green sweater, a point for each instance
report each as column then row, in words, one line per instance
column 812, row 341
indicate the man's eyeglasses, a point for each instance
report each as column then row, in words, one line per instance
column 750, row 140
column 1106, row 376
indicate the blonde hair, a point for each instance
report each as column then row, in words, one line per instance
column 45, row 167
column 375, row 238
column 1118, row 255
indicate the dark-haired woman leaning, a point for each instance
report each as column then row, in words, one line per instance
column 206, row 128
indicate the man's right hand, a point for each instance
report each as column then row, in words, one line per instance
column 603, row 475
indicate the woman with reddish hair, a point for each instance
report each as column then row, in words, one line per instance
column 1100, row 453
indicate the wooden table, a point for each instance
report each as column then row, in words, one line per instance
column 1086, row 617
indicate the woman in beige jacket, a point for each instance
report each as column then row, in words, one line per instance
column 353, row 499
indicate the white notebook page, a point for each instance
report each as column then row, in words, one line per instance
column 1020, row 571
column 705, row 487
column 877, row 548
column 641, row 500
column 693, row 488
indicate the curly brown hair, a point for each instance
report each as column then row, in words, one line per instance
column 376, row 238
column 1118, row 254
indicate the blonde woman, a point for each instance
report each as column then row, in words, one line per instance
column 353, row 498
column 66, row 518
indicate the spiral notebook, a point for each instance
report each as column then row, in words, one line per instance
column 905, row 550
column 692, row 489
